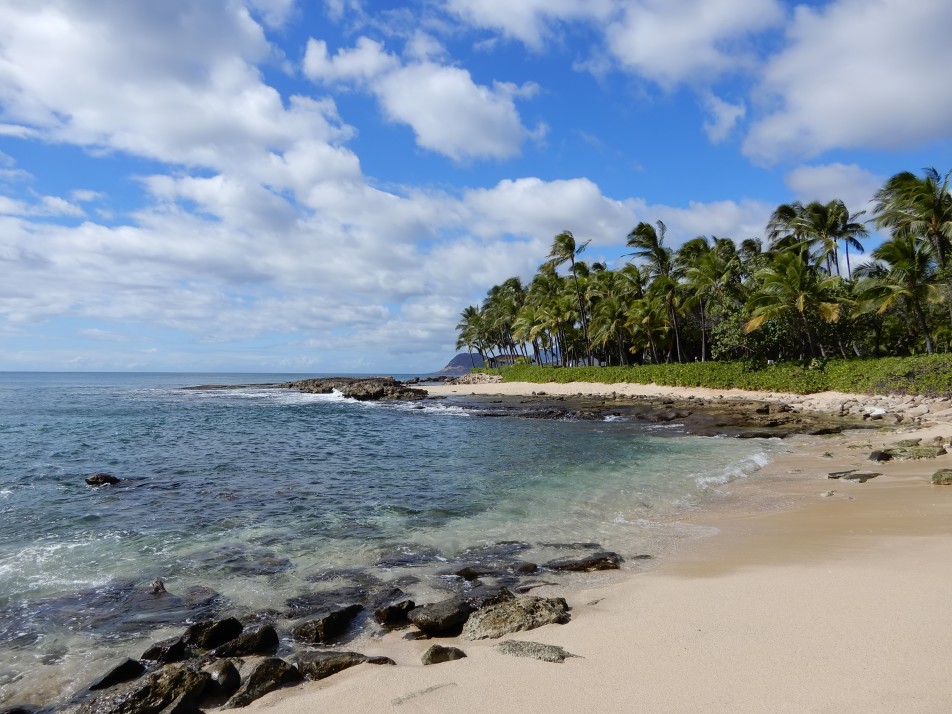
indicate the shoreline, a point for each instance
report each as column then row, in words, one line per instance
column 804, row 600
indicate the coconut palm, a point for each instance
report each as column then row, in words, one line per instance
column 903, row 275
column 909, row 205
column 648, row 242
column 792, row 286
column 564, row 250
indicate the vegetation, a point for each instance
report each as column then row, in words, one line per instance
column 929, row 375
column 796, row 310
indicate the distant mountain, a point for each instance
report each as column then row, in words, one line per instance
column 462, row 363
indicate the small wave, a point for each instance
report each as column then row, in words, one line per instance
column 657, row 427
column 440, row 409
column 744, row 469
column 614, row 417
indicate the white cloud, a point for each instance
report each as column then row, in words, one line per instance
column 723, row 117
column 857, row 74
column 448, row 112
column 850, row 183
column 725, row 219
column 275, row 13
column 673, row 41
column 529, row 21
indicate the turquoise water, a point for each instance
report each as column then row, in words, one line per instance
column 257, row 492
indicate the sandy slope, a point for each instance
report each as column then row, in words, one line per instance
column 802, row 603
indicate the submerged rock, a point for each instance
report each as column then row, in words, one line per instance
column 605, row 560
column 437, row 654
column 102, row 479
column 525, row 613
column 534, row 650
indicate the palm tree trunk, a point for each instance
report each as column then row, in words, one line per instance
column 581, row 314
column 923, row 325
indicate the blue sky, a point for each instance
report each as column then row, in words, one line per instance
column 281, row 185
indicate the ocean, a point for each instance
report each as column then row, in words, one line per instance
column 241, row 500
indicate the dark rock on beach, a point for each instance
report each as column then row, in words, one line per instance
column 362, row 389
column 212, row 633
column 879, row 455
column 525, row 613
column 267, row 675
column 262, row 640
column 102, row 479
column 320, row 665
column 327, row 627
column 225, row 679
column 166, row 651
column 444, row 618
column 395, row 615
column 125, row 671
column 606, row 560
column 437, row 654
column 152, row 695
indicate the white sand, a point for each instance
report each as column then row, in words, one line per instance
column 837, row 605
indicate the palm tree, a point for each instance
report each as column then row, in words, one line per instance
column 709, row 277
column 904, row 274
column 648, row 242
column 922, row 207
column 819, row 228
column 791, row 285
column 565, row 249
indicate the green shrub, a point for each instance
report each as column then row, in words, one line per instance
column 925, row 374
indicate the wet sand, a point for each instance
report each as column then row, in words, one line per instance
column 804, row 601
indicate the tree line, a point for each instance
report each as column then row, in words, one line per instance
column 799, row 292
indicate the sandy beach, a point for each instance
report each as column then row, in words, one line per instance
column 815, row 595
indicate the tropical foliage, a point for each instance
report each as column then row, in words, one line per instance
column 799, row 293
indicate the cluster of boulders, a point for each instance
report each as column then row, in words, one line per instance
column 890, row 409
column 478, row 378
column 227, row 663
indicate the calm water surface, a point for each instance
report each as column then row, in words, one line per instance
column 257, row 492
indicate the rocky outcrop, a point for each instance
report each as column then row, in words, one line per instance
column 394, row 615
column 225, row 679
column 534, row 650
column 525, row 613
column 102, row 479
column 363, row 389
column 166, row 651
column 437, row 654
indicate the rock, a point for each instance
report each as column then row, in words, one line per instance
column 198, row 596
column 102, row 479
column 942, row 477
column 269, row 674
column 441, row 618
column 225, row 679
column 183, row 704
column 361, row 388
column 861, row 476
column 210, row 634
column 525, row 613
column 438, row 654
column 125, row 671
column 605, row 560
column 485, row 595
column 879, row 455
column 157, row 587
column 166, row 651
column 910, row 453
column 907, row 443
column 263, row 640
column 152, row 695
column 572, row 546
column 320, row 665
column 839, row 474
column 535, row 650
column 326, row 627
column 394, row 615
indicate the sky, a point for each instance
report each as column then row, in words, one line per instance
column 323, row 185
